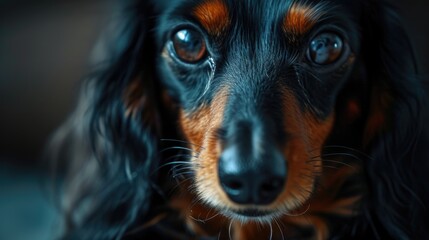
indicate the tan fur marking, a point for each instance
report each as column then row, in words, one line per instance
column 200, row 129
column 307, row 136
column 213, row 15
column 301, row 18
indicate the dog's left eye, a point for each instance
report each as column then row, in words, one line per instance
column 325, row 48
column 189, row 45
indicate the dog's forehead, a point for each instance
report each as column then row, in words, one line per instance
column 294, row 16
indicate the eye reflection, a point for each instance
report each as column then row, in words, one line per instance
column 189, row 45
column 325, row 48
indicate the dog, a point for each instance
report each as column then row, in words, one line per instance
column 276, row 119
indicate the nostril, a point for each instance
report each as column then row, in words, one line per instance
column 271, row 185
column 234, row 185
column 245, row 180
column 270, row 189
column 234, row 188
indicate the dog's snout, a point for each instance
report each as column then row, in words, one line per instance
column 247, row 180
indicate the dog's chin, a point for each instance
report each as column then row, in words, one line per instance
column 251, row 215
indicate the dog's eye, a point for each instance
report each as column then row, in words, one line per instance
column 325, row 48
column 189, row 45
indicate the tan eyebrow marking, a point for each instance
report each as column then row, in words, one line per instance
column 301, row 17
column 213, row 15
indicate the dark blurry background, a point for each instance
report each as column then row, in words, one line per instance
column 44, row 51
column 44, row 48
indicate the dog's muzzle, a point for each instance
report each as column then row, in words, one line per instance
column 252, row 171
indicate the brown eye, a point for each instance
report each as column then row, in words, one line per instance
column 325, row 48
column 189, row 45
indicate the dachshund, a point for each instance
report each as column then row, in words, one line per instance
column 274, row 119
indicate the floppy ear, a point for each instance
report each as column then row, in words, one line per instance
column 394, row 126
column 109, row 144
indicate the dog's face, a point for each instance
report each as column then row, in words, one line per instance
column 257, row 84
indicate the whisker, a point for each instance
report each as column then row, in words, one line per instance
column 179, row 184
column 182, row 174
column 314, row 75
column 174, row 163
column 350, row 149
column 182, row 167
column 196, row 219
column 206, row 219
column 299, row 214
column 332, row 161
column 229, row 229
column 280, row 229
column 331, row 167
column 181, row 141
column 179, row 156
column 212, row 217
column 341, row 154
column 176, row 148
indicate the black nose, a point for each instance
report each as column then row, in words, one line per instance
column 252, row 181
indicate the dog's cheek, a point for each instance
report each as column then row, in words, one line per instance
column 307, row 135
column 200, row 130
column 194, row 126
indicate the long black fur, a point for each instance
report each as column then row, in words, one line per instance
column 111, row 157
column 399, row 156
column 122, row 150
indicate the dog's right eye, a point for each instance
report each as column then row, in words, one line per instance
column 189, row 45
column 325, row 48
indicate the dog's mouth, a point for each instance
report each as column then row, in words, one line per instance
column 250, row 214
